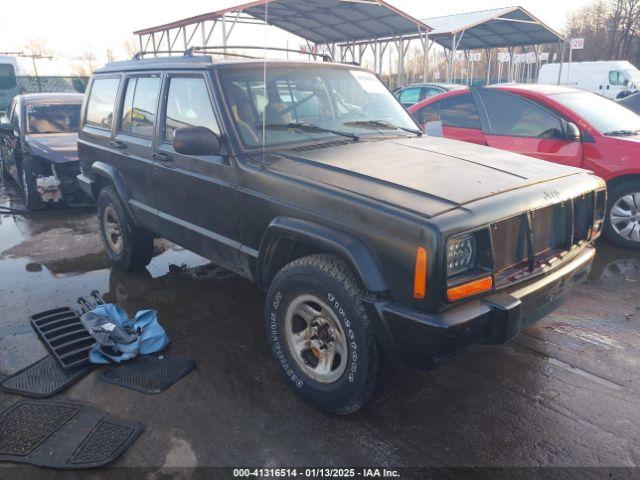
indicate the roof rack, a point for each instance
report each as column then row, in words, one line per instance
column 221, row 49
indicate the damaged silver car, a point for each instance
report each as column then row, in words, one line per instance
column 38, row 148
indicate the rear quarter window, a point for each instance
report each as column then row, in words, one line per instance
column 101, row 103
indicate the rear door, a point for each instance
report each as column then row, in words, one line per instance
column 523, row 126
column 196, row 194
column 133, row 142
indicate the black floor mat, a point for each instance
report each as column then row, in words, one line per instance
column 64, row 435
column 150, row 374
column 64, row 335
column 43, row 379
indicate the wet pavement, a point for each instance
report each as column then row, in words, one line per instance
column 563, row 393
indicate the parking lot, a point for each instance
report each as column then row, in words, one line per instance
column 563, row 393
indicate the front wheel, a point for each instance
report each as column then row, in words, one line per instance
column 623, row 215
column 320, row 334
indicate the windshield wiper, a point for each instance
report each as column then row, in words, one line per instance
column 376, row 124
column 311, row 128
column 617, row 133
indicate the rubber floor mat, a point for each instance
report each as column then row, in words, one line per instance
column 65, row 435
column 150, row 374
column 64, row 335
column 43, row 379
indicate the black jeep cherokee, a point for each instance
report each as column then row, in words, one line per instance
column 313, row 181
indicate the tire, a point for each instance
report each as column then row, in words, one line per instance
column 129, row 248
column 622, row 225
column 32, row 198
column 324, row 290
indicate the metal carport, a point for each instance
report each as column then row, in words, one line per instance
column 353, row 25
column 488, row 29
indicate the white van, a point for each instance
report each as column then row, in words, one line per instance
column 613, row 79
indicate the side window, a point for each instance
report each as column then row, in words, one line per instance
column 140, row 106
column 102, row 101
column 410, row 95
column 430, row 113
column 617, row 77
column 188, row 105
column 513, row 116
column 429, row 92
column 459, row 111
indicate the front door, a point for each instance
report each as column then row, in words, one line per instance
column 196, row 194
column 523, row 126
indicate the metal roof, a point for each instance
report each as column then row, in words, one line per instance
column 320, row 21
column 499, row 27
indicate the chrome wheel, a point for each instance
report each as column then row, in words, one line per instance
column 112, row 230
column 316, row 339
column 625, row 217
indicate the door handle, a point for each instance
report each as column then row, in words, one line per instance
column 163, row 157
column 117, row 144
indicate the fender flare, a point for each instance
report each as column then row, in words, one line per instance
column 113, row 178
column 345, row 246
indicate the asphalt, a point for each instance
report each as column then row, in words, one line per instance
column 565, row 393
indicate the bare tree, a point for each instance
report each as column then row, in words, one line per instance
column 37, row 47
column 130, row 47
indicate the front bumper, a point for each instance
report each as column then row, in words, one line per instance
column 424, row 340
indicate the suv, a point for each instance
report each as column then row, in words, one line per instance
column 312, row 180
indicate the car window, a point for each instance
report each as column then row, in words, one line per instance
column 429, row 92
column 410, row 95
column 188, row 105
column 100, row 106
column 430, row 113
column 53, row 118
column 617, row 77
column 513, row 116
column 459, row 111
column 140, row 105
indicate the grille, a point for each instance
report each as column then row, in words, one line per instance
column 545, row 232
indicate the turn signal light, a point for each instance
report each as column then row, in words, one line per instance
column 420, row 275
column 470, row 289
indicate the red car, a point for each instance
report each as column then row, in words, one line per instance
column 558, row 124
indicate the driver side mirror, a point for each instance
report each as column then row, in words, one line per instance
column 6, row 129
column 196, row 141
column 572, row 132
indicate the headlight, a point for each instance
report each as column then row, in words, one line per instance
column 461, row 255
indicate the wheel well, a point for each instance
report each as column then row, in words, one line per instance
column 614, row 182
column 282, row 251
column 100, row 183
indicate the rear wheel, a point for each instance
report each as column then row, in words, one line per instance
column 128, row 247
column 623, row 215
column 320, row 334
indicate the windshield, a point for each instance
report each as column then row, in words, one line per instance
column 603, row 114
column 314, row 103
column 53, row 118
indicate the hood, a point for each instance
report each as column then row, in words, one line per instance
column 426, row 175
column 55, row 147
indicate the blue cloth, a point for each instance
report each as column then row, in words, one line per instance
column 148, row 334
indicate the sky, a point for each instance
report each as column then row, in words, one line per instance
column 73, row 27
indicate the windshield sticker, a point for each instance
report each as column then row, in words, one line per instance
column 368, row 81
